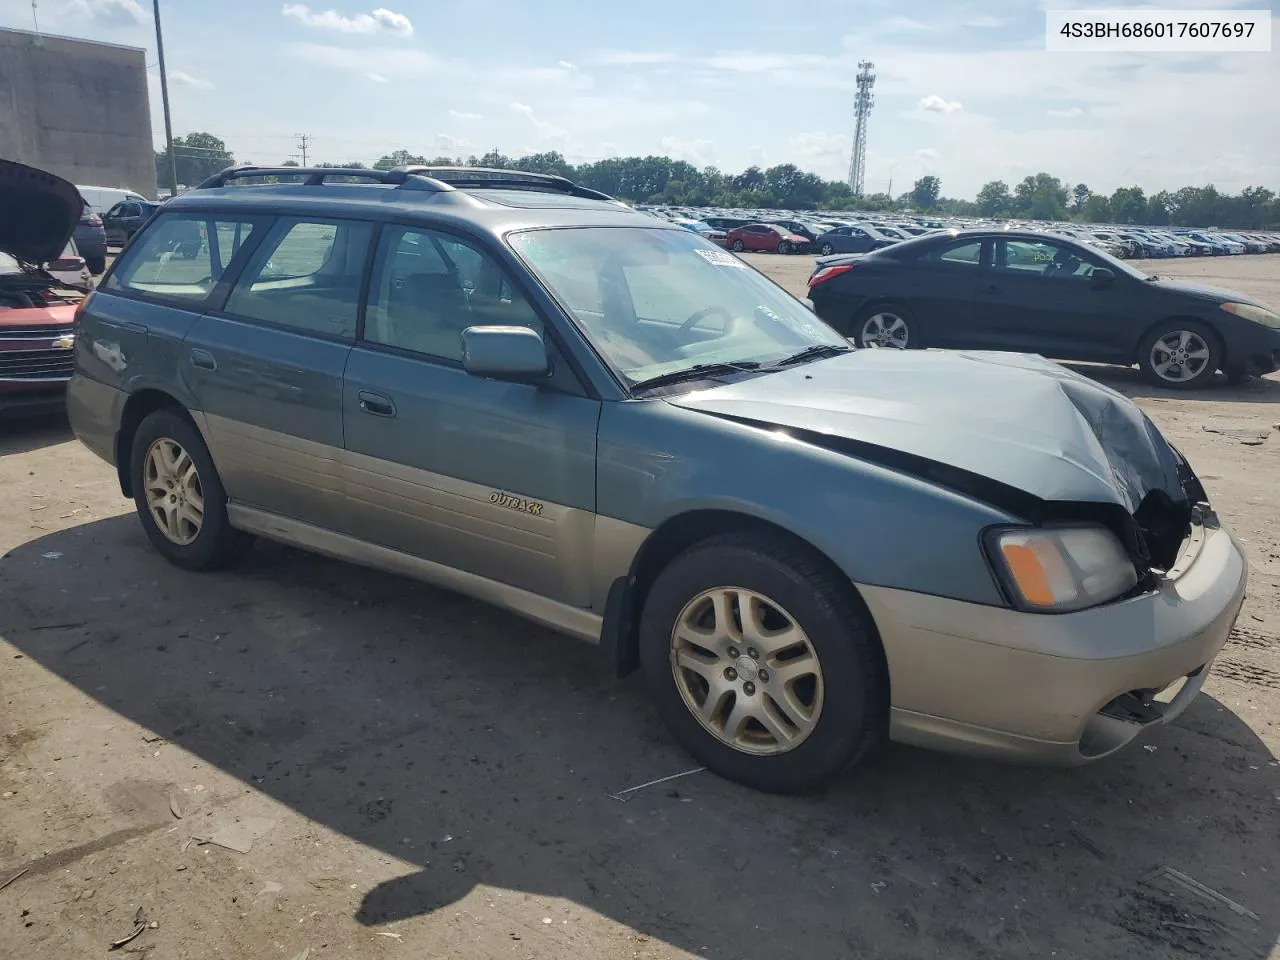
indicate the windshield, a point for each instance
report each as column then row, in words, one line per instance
column 655, row 302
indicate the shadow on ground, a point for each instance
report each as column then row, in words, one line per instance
column 1131, row 382
column 399, row 715
column 22, row 435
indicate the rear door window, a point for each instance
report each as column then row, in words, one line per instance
column 181, row 256
column 306, row 275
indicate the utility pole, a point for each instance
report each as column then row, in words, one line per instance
column 303, row 142
column 861, row 112
column 164, row 98
column 35, row 15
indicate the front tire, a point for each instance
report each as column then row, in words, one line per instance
column 1180, row 354
column 827, row 249
column 784, row 247
column 764, row 663
column 885, row 326
column 737, row 246
column 179, row 495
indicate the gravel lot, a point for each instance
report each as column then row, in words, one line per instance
column 422, row 776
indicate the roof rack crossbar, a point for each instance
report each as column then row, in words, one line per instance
column 316, row 176
column 440, row 179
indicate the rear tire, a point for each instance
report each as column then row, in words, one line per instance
column 1180, row 354
column 97, row 265
column 737, row 246
column 784, row 247
column 183, row 509
column 822, row 691
column 827, row 249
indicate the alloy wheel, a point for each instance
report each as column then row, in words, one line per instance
column 1179, row 356
column 885, row 330
column 174, row 494
column 747, row 671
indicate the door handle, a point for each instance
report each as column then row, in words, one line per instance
column 203, row 359
column 376, row 404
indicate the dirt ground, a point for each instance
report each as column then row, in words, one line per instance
column 411, row 774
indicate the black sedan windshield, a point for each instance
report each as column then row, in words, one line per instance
column 656, row 302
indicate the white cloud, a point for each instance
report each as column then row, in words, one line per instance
column 698, row 152
column 109, row 13
column 927, row 155
column 906, row 23
column 546, row 130
column 183, row 79
column 633, row 58
column 1068, row 112
column 986, row 22
column 377, row 78
column 567, row 65
column 464, row 115
column 380, row 19
column 936, row 104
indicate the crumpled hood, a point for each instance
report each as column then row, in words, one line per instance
column 38, row 212
column 1017, row 419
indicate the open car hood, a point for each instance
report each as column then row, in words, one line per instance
column 38, row 212
column 1016, row 430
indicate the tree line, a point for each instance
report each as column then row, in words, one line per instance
column 662, row 180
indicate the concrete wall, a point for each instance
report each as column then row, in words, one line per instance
column 77, row 109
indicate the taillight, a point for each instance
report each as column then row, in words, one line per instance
column 826, row 273
column 94, row 220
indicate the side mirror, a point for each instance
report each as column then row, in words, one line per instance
column 511, row 353
column 1103, row 276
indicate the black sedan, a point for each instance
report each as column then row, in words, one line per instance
column 853, row 238
column 1039, row 293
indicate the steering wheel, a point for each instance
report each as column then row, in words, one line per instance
column 696, row 318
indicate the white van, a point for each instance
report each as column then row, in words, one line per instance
column 103, row 199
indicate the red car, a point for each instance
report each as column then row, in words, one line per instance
column 37, row 313
column 766, row 237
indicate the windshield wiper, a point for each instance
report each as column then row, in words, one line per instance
column 812, row 353
column 698, row 371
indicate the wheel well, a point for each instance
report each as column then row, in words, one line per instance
column 136, row 409
column 668, row 541
column 1199, row 321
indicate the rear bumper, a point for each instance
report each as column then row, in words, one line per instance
column 95, row 410
column 1055, row 689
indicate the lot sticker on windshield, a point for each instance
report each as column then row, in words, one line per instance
column 719, row 258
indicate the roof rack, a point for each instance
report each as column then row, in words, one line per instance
column 433, row 179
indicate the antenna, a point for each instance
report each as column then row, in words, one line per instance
column 862, row 105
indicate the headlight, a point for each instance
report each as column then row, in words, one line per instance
column 1250, row 312
column 1059, row 569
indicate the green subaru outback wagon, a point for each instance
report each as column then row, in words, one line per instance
column 514, row 387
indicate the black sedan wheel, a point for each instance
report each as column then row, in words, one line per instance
column 784, row 247
column 1181, row 354
column 828, row 249
column 886, row 326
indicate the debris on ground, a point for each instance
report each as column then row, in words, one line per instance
column 625, row 795
column 388, row 933
column 303, row 955
column 140, row 926
column 1195, row 886
column 1088, row 844
column 174, row 807
column 16, row 876
column 1248, row 436
column 239, row 836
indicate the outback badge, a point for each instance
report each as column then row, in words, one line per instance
column 516, row 503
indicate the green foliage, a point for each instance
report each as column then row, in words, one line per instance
column 924, row 194
column 995, row 200
column 1041, row 197
column 1129, row 205
column 198, row 156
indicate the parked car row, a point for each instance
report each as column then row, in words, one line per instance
column 828, row 232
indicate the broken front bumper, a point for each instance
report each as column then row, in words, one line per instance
column 1068, row 688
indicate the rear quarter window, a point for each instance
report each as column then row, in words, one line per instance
column 180, row 256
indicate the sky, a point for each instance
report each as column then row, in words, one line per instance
column 964, row 88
